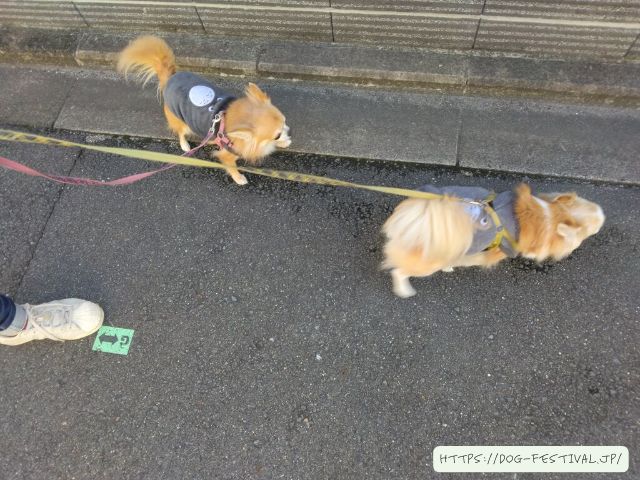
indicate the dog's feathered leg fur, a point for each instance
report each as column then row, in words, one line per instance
column 229, row 160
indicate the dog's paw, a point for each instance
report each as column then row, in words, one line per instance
column 448, row 269
column 240, row 179
column 404, row 291
column 184, row 145
column 401, row 284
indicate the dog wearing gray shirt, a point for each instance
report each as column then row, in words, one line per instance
column 465, row 226
column 249, row 127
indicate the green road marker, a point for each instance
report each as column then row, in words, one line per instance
column 113, row 340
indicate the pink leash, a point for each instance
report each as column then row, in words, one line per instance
column 18, row 167
column 222, row 141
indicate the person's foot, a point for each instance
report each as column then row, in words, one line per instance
column 68, row 319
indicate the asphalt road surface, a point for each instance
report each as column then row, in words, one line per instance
column 269, row 345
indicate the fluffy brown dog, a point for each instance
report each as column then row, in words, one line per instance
column 252, row 125
column 425, row 236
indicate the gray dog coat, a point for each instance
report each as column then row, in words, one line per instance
column 485, row 230
column 195, row 101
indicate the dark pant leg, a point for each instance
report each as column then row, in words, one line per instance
column 7, row 311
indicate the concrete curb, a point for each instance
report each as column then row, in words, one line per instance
column 518, row 136
column 406, row 69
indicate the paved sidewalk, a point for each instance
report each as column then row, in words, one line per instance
column 268, row 344
column 462, row 72
column 530, row 137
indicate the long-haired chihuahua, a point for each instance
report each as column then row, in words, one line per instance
column 459, row 230
column 193, row 106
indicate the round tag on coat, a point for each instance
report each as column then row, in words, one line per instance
column 477, row 214
column 201, row 95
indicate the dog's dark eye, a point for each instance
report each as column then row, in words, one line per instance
column 278, row 136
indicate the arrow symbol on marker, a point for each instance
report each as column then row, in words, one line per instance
column 104, row 338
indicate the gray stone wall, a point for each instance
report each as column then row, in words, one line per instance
column 606, row 29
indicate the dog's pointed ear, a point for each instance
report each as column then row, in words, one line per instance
column 241, row 133
column 523, row 191
column 567, row 231
column 248, row 146
column 567, row 198
column 254, row 93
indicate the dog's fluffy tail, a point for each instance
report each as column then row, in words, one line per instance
column 427, row 231
column 147, row 57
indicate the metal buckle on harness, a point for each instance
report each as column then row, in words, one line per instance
column 484, row 202
column 500, row 230
column 216, row 120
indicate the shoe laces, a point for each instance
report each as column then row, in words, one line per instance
column 45, row 318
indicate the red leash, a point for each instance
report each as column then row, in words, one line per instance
column 222, row 141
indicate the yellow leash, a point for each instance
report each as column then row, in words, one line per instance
column 167, row 158
column 13, row 136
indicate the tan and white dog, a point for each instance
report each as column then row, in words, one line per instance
column 253, row 127
column 426, row 236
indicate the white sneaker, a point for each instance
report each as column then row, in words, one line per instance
column 68, row 319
